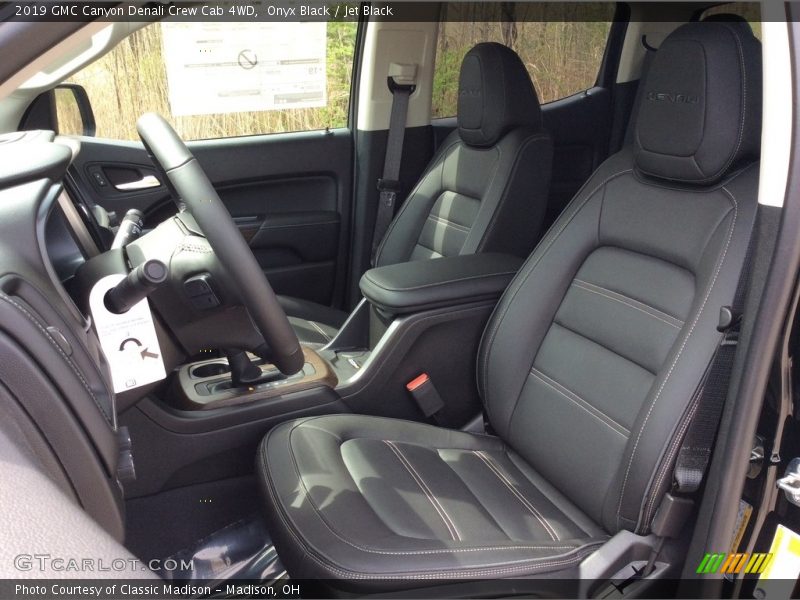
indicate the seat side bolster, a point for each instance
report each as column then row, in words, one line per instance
column 513, row 208
column 648, row 464
column 404, row 230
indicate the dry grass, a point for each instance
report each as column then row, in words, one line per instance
column 562, row 58
column 131, row 80
column 561, row 45
column 562, row 52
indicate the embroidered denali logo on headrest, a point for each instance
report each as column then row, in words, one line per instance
column 469, row 92
column 674, row 98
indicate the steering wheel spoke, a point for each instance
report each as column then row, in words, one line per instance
column 187, row 181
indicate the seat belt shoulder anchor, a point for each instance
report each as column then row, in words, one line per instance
column 402, row 77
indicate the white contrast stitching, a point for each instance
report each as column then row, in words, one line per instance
column 445, row 152
column 680, row 351
column 628, row 301
column 320, row 330
column 580, row 402
column 509, row 295
column 448, row 521
column 448, row 223
column 501, row 476
column 676, row 443
column 67, row 359
column 580, row 551
column 744, row 101
column 304, row 423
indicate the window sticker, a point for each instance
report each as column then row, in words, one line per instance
column 219, row 68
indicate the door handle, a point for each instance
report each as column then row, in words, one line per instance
column 146, row 182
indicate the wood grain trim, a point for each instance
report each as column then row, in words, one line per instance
column 323, row 376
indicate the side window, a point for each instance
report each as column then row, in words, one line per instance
column 562, row 46
column 213, row 80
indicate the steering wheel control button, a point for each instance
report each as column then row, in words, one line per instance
column 200, row 293
column 197, row 285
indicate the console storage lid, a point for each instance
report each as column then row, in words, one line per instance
column 421, row 285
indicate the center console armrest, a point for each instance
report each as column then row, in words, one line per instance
column 425, row 284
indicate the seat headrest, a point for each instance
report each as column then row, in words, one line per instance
column 700, row 114
column 495, row 94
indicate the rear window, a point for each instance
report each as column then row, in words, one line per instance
column 561, row 46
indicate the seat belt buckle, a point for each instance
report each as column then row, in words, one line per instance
column 425, row 395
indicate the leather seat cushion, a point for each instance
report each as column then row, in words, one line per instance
column 368, row 497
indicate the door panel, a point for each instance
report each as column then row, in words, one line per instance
column 290, row 195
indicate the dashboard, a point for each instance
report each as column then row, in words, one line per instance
column 51, row 361
column 48, row 210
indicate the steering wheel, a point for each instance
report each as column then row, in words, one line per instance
column 191, row 185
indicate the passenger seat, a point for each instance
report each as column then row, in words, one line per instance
column 485, row 190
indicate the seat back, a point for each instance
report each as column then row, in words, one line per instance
column 591, row 363
column 485, row 190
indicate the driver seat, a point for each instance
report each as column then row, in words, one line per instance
column 485, row 189
column 589, row 368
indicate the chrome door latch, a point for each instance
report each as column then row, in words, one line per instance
column 790, row 482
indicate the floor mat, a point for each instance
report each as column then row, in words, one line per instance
column 161, row 525
column 242, row 550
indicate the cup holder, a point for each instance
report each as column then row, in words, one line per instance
column 210, row 370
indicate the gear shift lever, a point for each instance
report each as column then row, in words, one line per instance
column 243, row 371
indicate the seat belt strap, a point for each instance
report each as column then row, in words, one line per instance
column 695, row 452
column 401, row 83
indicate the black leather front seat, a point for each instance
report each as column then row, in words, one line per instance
column 588, row 369
column 485, row 190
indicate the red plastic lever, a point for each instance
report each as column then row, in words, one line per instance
column 417, row 381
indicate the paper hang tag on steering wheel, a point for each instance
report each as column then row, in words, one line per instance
column 128, row 340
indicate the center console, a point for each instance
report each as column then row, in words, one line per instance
column 420, row 317
column 417, row 317
column 207, row 385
